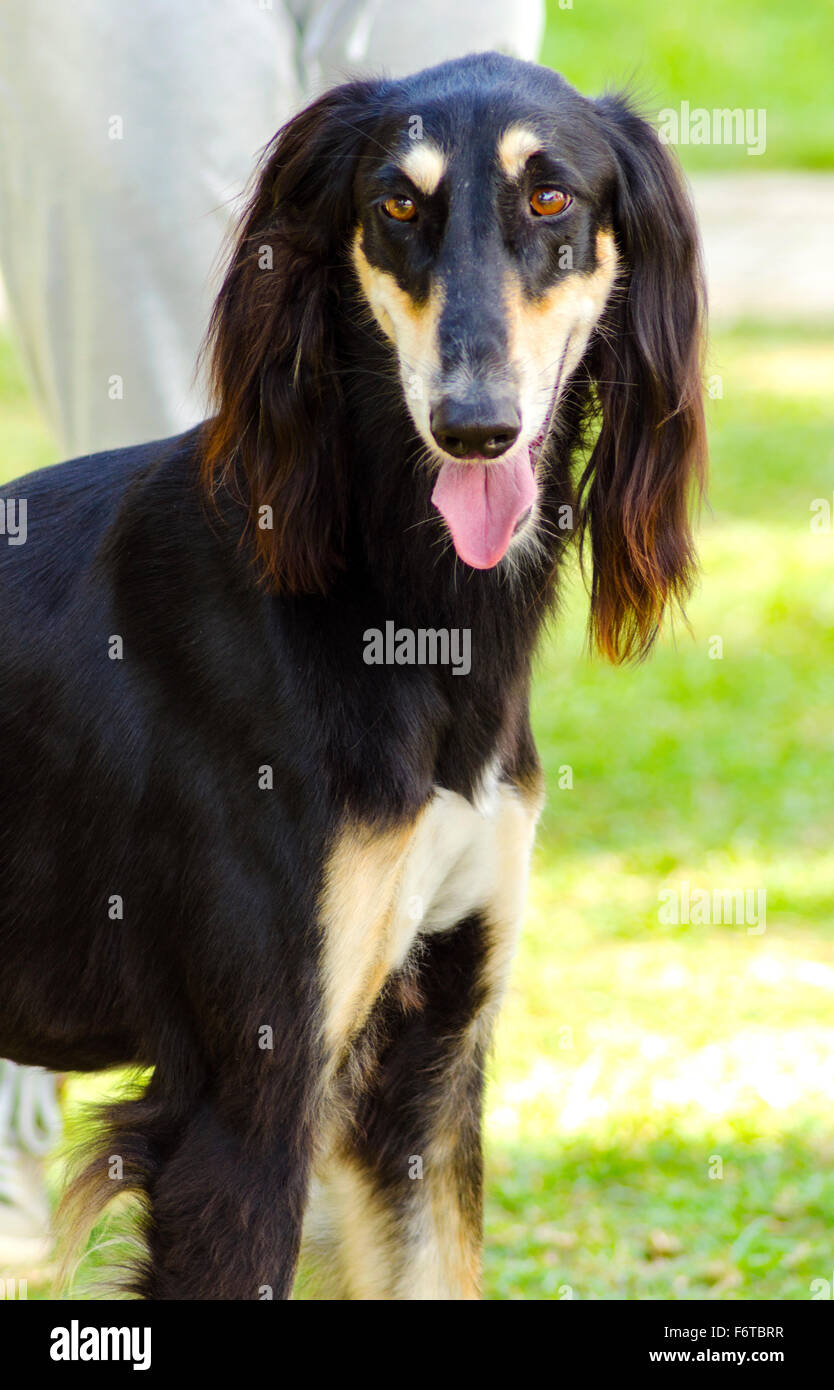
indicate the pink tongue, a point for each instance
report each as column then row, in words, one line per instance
column 482, row 502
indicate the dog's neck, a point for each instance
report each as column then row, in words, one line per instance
column 403, row 577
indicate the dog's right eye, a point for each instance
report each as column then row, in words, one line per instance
column 549, row 202
column 401, row 209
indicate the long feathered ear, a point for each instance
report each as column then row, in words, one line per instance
column 650, row 457
column 277, row 436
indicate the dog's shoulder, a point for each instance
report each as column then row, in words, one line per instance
column 64, row 518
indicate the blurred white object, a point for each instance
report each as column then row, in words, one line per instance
column 758, row 266
column 30, row 1125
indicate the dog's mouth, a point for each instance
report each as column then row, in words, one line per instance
column 486, row 502
column 482, row 502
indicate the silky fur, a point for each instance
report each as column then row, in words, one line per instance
column 143, row 777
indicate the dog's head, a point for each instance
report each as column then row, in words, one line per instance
column 509, row 236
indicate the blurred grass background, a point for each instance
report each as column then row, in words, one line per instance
column 711, row 53
column 661, row 1097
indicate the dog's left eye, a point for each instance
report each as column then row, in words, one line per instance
column 547, row 202
column 401, row 209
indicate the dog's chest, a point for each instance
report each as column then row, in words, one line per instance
column 384, row 890
column 451, row 866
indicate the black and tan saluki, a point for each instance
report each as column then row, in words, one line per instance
column 460, row 331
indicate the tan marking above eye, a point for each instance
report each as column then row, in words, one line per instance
column 548, row 202
column 515, row 148
column 425, row 164
column 401, row 209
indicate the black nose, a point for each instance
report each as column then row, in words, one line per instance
column 482, row 428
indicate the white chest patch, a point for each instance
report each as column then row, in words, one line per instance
column 384, row 889
column 451, row 868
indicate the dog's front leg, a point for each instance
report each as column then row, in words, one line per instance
column 397, row 1210
column 219, row 1145
column 226, row 1208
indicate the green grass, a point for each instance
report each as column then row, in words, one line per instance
column 749, row 53
column 27, row 442
column 632, row 1055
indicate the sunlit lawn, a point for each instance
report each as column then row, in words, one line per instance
column 756, row 55
column 634, row 1058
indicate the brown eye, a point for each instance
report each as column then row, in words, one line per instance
column 401, row 209
column 547, row 202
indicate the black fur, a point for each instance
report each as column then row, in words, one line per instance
column 139, row 777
